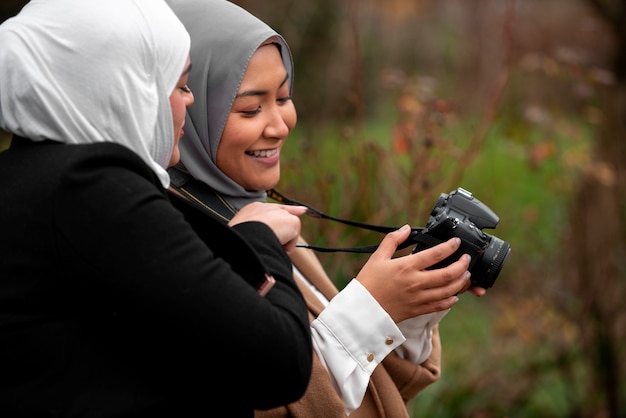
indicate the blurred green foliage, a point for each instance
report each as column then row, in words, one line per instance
column 511, row 353
column 508, row 106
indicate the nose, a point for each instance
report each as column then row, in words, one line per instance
column 189, row 99
column 277, row 127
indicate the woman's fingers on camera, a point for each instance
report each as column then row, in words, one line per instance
column 440, row 252
column 452, row 279
column 456, row 275
column 441, row 305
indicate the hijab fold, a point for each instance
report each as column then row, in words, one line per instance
column 94, row 71
column 224, row 37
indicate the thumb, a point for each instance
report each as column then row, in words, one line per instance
column 291, row 245
column 389, row 244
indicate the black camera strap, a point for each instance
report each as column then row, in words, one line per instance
column 416, row 236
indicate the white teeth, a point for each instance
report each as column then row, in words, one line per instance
column 263, row 153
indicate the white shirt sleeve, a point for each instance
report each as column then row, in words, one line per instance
column 354, row 334
column 351, row 336
column 418, row 332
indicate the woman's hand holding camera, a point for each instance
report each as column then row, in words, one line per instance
column 405, row 288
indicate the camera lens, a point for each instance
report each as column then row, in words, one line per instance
column 487, row 269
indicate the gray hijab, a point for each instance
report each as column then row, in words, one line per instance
column 224, row 37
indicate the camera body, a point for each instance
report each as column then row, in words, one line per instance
column 460, row 214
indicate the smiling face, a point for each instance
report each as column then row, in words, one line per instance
column 261, row 117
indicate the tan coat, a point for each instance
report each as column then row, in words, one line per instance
column 393, row 383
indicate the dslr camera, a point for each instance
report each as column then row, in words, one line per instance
column 459, row 214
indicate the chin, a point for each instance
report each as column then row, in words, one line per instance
column 174, row 159
column 261, row 187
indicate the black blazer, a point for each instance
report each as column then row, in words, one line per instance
column 111, row 305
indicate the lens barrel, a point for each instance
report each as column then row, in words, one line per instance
column 486, row 270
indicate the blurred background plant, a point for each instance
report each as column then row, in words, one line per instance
column 524, row 104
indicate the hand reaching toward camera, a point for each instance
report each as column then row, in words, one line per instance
column 403, row 286
column 284, row 220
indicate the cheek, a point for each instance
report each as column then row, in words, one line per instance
column 290, row 116
column 239, row 135
column 173, row 102
column 179, row 108
column 232, row 146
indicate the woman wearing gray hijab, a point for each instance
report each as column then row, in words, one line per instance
column 110, row 304
column 376, row 341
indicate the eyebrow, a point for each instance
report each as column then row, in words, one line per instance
column 249, row 93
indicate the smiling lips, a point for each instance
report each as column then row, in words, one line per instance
column 265, row 156
column 263, row 153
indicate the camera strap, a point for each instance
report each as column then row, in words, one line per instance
column 416, row 236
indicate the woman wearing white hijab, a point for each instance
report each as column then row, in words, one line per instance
column 110, row 304
column 376, row 342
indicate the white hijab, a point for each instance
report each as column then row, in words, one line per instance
column 224, row 37
column 85, row 71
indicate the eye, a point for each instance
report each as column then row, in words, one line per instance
column 185, row 89
column 283, row 100
column 251, row 113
